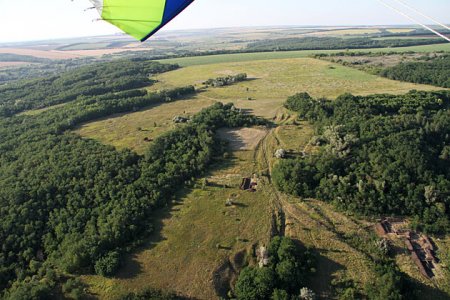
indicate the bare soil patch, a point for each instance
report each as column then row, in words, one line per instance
column 243, row 138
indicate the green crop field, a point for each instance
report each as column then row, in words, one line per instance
column 244, row 57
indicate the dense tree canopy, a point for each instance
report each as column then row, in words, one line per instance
column 380, row 154
column 435, row 71
column 286, row 274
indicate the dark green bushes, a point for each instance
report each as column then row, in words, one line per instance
column 228, row 80
column 286, row 274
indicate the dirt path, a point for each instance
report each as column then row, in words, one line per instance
column 314, row 224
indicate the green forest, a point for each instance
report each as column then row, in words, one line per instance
column 74, row 206
column 379, row 155
column 434, row 71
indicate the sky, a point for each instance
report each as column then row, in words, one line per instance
column 24, row 20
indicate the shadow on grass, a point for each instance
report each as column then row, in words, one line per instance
column 240, row 205
column 422, row 291
column 131, row 267
column 320, row 281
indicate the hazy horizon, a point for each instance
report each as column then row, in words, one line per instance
column 54, row 19
column 169, row 31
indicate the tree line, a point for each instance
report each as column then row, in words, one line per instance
column 434, row 71
column 334, row 43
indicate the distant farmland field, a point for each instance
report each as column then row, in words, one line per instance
column 243, row 57
column 58, row 54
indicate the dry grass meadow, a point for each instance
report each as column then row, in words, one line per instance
column 270, row 83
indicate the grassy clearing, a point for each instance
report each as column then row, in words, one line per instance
column 245, row 57
column 317, row 225
column 35, row 112
column 295, row 138
column 272, row 81
column 130, row 130
column 443, row 245
column 197, row 236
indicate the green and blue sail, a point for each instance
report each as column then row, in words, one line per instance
column 140, row 18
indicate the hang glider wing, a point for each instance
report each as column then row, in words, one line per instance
column 140, row 18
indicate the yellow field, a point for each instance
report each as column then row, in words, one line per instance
column 400, row 30
column 350, row 31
